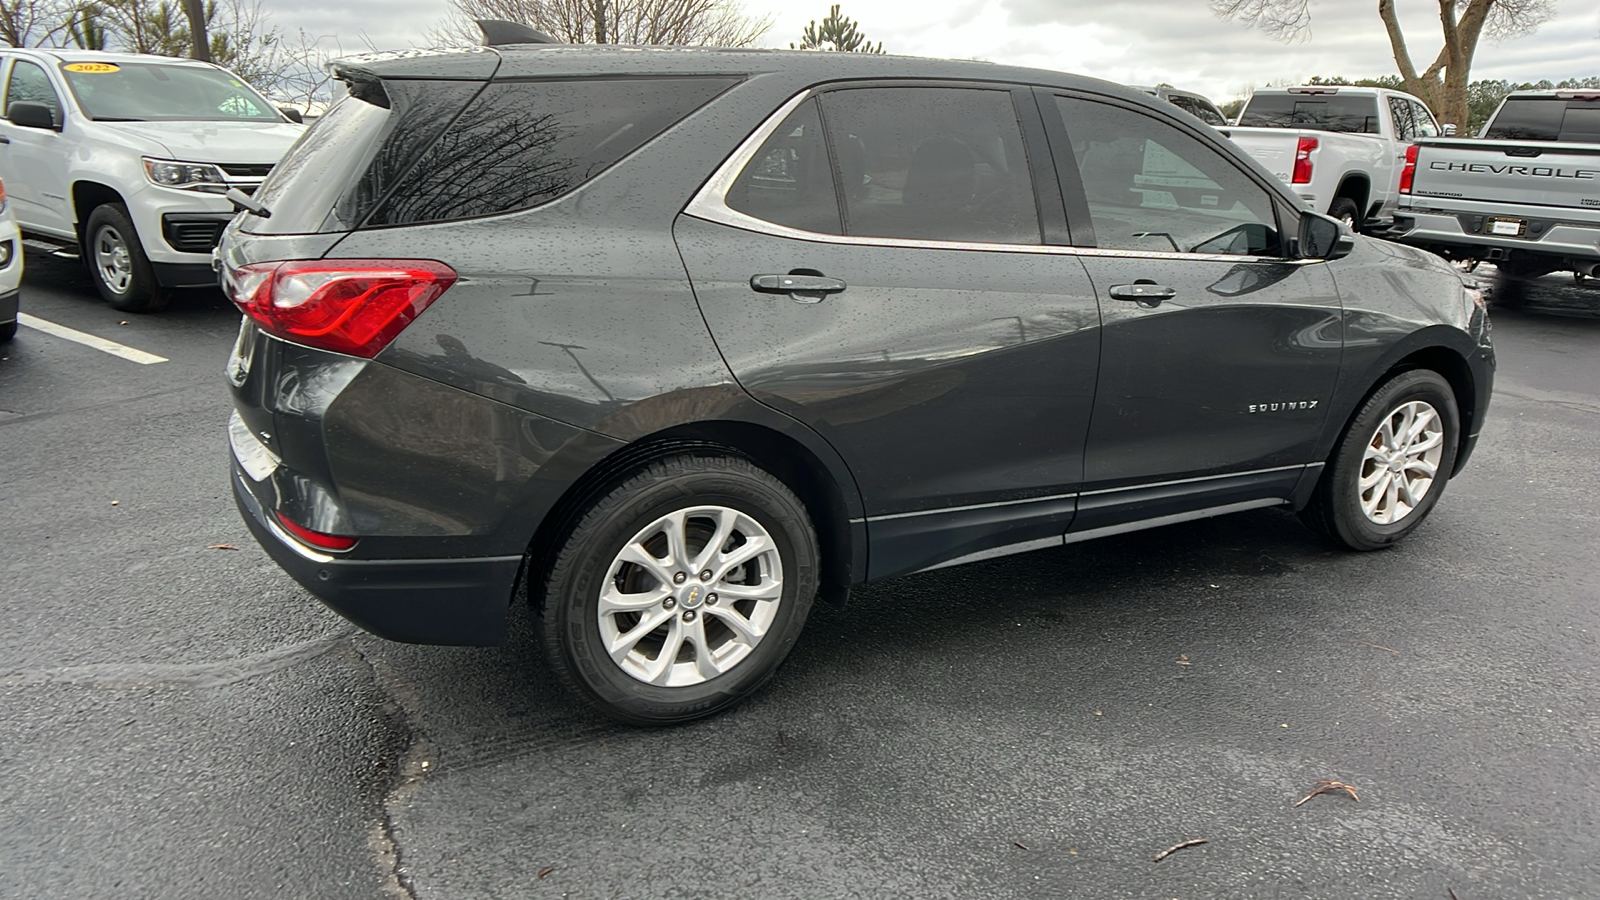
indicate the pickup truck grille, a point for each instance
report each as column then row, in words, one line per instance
column 194, row 232
column 247, row 170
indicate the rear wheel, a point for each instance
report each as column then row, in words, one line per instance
column 679, row 591
column 8, row 331
column 1345, row 210
column 117, row 262
column 1389, row 469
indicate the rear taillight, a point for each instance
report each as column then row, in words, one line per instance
column 315, row 538
column 1409, row 173
column 1302, row 160
column 354, row 306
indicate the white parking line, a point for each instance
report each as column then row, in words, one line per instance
column 89, row 340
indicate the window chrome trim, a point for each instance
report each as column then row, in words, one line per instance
column 710, row 204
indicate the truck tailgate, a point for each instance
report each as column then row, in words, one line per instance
column 1525, row 173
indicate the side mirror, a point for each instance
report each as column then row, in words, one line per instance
column 31, row 115
column 1324, row 237
column 292, row 115
column 1447, row 130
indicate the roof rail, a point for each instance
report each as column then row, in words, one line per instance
column 498, row 31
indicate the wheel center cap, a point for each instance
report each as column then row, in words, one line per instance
column 693, row 596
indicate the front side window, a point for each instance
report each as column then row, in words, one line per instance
column 1151, row 187
column 136, row 92
column 30, row 84
column 1426, row 126
column 931, row 163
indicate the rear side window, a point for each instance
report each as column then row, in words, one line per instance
column 1319, row 112
column 924, row 163
column 520, row 144
column 789, row 181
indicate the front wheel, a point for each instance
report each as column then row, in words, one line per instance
column 679, row 591
column 1389, row 469
column 117, row 262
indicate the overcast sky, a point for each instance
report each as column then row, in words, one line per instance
column 1131, row 41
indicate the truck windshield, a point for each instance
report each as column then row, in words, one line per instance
column 136, row 92
column 1318, row 112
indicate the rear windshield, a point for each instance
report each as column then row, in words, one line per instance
column 1547, row 119
column 455, row 150
column 1317, row 112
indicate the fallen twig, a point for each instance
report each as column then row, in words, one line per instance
column 1019, row 845
column 221, row 547
column 546, row 871
column 1325, row 786
column 1176, row 847
column 783, row 739
column 1452, row 893
column 1379, row 646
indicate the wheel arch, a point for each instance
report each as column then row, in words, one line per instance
column 1357, row 187
column 1450, row 364
column 841, row 538
column 86, row 195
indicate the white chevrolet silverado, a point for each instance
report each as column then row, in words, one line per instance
column 1525, row 196
column 125, row 159
column 1340, row 148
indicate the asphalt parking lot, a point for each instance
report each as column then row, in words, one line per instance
column 178, row 719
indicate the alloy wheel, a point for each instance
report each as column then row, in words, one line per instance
column 690, row 595
column 1401, row 462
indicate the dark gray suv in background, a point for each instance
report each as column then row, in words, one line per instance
column 683, row 339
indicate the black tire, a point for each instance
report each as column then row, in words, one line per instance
column 8, row 331
column 1337, row 508
column 573, row 632
column 108, row 228
column 1344, row 208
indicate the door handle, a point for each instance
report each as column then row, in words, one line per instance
column 800, row 288
column 1144, row 293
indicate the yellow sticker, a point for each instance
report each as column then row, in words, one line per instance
column 96, row 68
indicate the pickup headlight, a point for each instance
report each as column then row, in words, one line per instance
column 185, row 175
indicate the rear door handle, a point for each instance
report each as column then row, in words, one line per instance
column 800, row 288
column 1144, row 293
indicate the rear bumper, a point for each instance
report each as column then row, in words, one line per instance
column 419, row 601
column 1465, row 233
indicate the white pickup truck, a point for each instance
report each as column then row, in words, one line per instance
column 1340, row 148
column 1525, row 196
column 125, row 159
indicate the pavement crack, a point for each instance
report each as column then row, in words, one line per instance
column 414, row 763
column 136, row 676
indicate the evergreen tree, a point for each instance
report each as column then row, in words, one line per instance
column 837, row 33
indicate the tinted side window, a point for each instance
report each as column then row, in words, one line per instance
column 29, row 84
column 1151, row 187
column 1532, row 119
column 943, row 164
column 520, row 144
column 1198, row 109
column 1404, row 127
column 789, row 181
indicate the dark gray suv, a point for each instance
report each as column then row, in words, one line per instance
column 682, row 339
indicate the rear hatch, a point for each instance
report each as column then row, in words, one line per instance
column 1524, row 173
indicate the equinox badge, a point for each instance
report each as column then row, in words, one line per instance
column 1282, row 407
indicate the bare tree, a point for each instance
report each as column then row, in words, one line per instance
column 717, row 23
column 30, row 23
column 1443, row 83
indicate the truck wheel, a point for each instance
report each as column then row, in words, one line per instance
column 1345, row 210
column 680, row 590
column 1389, row 469
column 117, row 263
